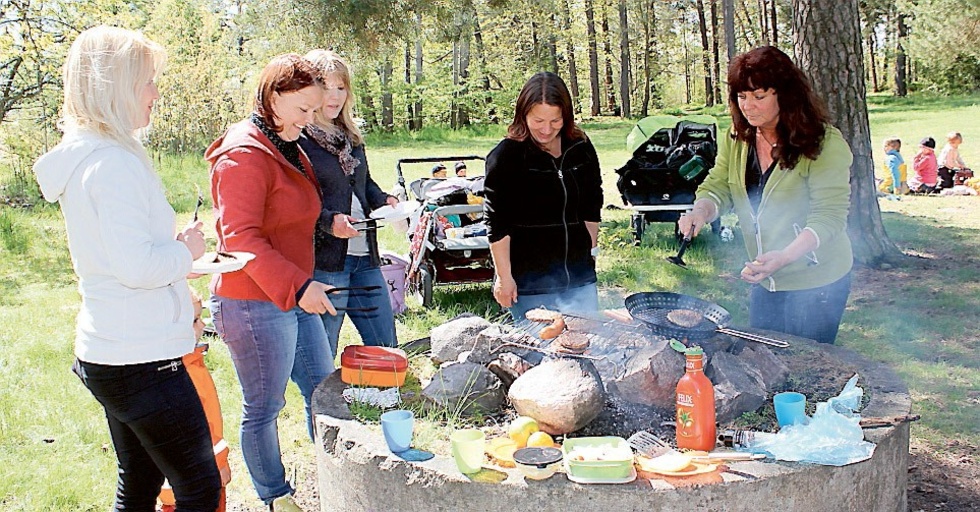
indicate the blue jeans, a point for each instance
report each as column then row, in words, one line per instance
column 814, row 313
column 268, row 347
column 375, row 327
column 584, row 299
column 158, row 430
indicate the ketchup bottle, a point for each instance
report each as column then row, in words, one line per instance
column 695, row 405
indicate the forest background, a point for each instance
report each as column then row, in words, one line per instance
column 442, row 63
column 436, row 74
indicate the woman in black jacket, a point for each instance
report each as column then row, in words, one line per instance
column 543, row 203
column 345, row 256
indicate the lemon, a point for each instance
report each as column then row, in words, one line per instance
column 521, row 429
column 540, row 439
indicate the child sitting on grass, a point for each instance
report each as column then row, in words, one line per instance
column 894, row 182
column 194, row 362
column 952, row 168
column 924, row 167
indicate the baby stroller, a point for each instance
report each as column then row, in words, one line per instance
column 448, row 239
column 671, row 157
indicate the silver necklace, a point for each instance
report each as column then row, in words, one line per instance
column 773, row 144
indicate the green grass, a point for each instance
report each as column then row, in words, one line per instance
column 919, row 318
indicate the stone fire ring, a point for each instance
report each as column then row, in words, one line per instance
column 356, row 472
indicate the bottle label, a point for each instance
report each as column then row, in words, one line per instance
column 685, row 419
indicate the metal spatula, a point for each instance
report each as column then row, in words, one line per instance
column 650, row 445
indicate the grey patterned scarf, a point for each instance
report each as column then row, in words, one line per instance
column 337, row 143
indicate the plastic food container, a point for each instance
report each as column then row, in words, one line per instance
column 373, row 366
column 598, row 458
column 538, row 463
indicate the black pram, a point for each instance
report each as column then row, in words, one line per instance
column 671, row 157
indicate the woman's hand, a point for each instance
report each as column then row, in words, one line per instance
column 193, row 238
column 342, row 227
column 392, row 201
column 764, row 265
column 505, row 290
column 315, row 301
column 702, row 213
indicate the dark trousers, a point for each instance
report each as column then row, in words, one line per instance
column 814, row 313
column 945, row 177
column 158, row 430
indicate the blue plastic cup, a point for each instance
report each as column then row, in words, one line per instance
column 790, row 408
column 397, row 427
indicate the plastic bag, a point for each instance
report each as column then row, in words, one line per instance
column 832, row 437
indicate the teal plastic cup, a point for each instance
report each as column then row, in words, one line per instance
column 790, row 408
column 397, row 427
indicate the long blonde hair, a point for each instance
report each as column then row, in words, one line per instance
column 329, row 63
column 104, row 77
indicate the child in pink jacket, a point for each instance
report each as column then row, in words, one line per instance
column 925, row 167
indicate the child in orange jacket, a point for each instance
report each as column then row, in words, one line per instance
column 194, row 362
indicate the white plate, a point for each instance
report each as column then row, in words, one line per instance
column 400, row 211
column 206, row 264
column 580, row 480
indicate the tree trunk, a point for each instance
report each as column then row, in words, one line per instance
column 728, row 18
column 772, row 23
column 566, row 23
column 901, row 84
column 553, row 47
column 746, row 27
column 828, row 47
column 874, row 65
column 716, row 65
column 409, row 106
column 687, row 57
column 709, row 96
column 481, row 59
column 593, row 58
column 417, row 121
column 462, row 110
column 728, row 24
column 611, row 106
column 763, row 21
column 387, row 103
column 624, row 58
column 649, row 51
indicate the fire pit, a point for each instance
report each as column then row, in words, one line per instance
column 357, row 472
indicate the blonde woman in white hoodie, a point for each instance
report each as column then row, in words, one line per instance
column 135, row 320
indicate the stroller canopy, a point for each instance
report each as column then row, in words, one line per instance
column 646, row 127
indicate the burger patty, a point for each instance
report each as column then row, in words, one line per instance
column 685, row 317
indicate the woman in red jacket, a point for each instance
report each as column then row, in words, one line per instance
column 267, row 201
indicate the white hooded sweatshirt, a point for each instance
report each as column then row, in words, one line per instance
column 136, row 305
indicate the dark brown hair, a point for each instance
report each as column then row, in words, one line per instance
column 802, row 114
column 549, row 89
column 285, row 73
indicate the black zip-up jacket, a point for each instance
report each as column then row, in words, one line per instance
column 542, row 204
column 337, row 187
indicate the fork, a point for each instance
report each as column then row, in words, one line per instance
column 200, row 201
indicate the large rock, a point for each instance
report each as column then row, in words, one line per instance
column 456, row 336
column 466, row 387
column 738, row 388
column 560, row 394
column 760, row 359
column 650, row 376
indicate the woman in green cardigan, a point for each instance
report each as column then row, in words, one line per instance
column 786, row 173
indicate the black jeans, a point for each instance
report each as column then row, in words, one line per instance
column 814, row 313
column 158, row 430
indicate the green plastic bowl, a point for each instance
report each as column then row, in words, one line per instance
column 616, row 465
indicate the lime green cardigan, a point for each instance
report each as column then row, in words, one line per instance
column 814, row 195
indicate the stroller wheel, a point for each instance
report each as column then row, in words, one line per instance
column 425, row 285
column 638, row 225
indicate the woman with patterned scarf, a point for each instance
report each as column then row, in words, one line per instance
column 345, row 256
